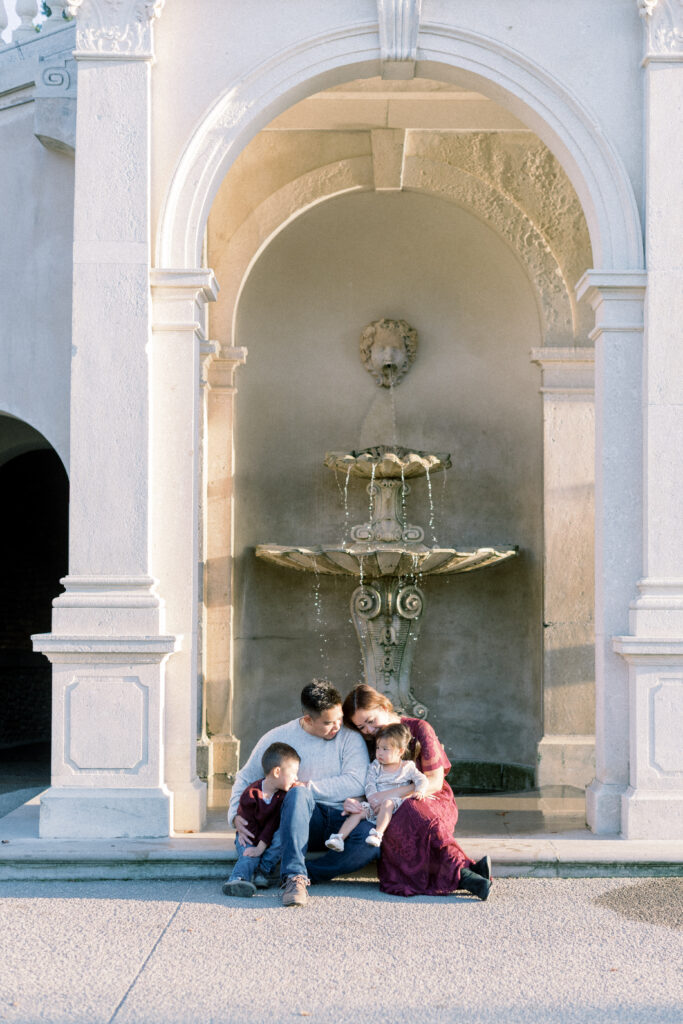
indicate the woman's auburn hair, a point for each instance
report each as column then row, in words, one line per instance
column 364, row 698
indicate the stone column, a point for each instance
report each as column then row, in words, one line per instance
column 108, row 642
column 617, row 301
column 176, row 352
column 566, row 753
column 219, row 746
column 653, row 803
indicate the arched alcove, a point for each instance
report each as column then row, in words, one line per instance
column 472, row 391
column 534, row 96
column 34, row 539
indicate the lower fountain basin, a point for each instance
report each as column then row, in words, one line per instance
column 385, row 560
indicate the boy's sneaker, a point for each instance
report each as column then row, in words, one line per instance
column 238, row 887
column 335, row 842
column 261, row 881
column 374, row 838
column 295, row 894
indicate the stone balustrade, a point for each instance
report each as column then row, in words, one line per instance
column 32, row 21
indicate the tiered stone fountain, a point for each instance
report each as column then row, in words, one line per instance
column 387, row 554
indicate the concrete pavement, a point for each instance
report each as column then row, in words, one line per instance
column 539, row 951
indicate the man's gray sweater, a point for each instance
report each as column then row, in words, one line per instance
column 334, row 768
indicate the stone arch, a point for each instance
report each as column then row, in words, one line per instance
column 34, row 536
column 557, row 303
column 466, row 58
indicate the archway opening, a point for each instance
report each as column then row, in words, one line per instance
column 34, row 542
column 413, row 200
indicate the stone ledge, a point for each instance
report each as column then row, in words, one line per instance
column 23, row 856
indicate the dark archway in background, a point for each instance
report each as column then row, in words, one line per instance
column 34, row 507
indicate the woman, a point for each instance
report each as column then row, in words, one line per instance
column 419, row 854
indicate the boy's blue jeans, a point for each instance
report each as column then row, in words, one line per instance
column 305, row 825
column 246, row 867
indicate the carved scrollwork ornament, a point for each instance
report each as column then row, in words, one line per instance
column 115, row 28
column 367, row 602
column 409, row 602
column 664, row 27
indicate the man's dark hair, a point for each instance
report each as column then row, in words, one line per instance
column 275, row 754
column 319, row 696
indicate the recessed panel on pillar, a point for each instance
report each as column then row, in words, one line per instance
column 106, row 725
column 666, row 717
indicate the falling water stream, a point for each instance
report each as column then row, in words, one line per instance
column 320, row 622
column 431, row 509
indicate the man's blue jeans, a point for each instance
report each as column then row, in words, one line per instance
column 305, row 825
column 246, row 867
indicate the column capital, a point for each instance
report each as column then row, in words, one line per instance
column 565, row 370
column 179, row 298
column 663, row 22
column 220, row 371
column 114, row 29
column 616, row 297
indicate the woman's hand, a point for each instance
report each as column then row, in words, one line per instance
column 376, row 799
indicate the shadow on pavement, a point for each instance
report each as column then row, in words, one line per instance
column 655, row 901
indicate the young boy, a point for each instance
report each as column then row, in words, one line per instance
column 260, row 805
column 387, row 772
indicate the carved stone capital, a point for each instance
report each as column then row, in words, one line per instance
column 399, row 25
column 115, row 29
column 663, row 26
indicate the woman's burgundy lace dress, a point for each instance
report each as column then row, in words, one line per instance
column 419, row 855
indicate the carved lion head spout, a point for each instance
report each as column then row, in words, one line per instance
column 388, row 349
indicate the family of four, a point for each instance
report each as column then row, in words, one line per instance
column 309, row 785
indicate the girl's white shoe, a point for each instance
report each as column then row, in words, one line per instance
column 335, row 842
column 374, row 838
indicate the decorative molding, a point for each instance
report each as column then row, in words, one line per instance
column 399, row 25
column 115, row 29
column 55, row 104
column 663, row 28
column 565, row 371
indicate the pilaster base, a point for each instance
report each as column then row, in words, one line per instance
column 218, row 760
column 189, row 805
column 649, row 815
column 79, row 813
column 566, row 760
column 603, row 807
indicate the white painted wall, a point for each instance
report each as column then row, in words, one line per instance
column 36, row 213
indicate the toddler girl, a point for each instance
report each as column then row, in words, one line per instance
column 387, row 772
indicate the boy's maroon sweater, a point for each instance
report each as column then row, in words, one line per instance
column 262, row 819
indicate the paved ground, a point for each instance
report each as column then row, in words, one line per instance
column 540, row 951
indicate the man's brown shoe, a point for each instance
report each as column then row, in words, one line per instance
column 295, row 894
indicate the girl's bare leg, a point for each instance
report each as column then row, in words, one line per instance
column 350, row 823
column 384, row 816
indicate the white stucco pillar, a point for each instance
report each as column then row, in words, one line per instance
column 653, row 803
column 220, row 745
column 617, row 301
column 108, row 643
column 566, row 752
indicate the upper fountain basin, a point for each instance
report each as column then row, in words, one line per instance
column 373, row 562
column 388, row 462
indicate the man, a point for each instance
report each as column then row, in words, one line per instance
column 334, row 761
